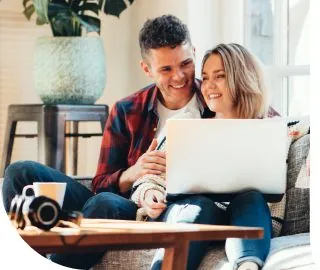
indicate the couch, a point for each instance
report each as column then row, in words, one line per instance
column 290, row 250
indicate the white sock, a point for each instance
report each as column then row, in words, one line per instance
column 248, row 265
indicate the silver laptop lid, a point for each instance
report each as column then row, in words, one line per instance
column 226, row 155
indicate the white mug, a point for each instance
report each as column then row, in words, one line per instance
column 52, row 190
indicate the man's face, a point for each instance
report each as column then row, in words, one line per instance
column 173, row 71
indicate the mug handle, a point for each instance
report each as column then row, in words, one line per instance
column 24, row 190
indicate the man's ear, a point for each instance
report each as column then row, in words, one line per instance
column 145, row 68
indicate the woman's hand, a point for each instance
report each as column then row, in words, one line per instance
column 153, row 203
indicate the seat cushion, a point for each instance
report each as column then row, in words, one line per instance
column 126, row 260
column 141, row 259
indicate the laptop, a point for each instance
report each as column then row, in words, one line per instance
column 221, row 158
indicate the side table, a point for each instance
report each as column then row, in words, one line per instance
column 51, row 123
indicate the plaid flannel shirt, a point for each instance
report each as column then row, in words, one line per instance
column 128, row 133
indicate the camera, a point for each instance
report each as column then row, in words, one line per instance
column 41, row 212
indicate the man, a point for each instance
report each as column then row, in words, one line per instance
column 128, row 150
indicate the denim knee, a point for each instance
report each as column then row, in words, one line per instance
column 21, row 170
column 251, row 196
column 202, row 201
column 198, row 209
column 249, row 209
column 109, row 205
column 17, row 175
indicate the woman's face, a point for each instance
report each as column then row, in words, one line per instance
column 215, row 88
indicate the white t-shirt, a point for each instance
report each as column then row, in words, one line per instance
column 190, row 110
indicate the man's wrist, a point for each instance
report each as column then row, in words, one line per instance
column 125, row 181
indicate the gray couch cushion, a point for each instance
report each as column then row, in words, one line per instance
column 297, row 214
column 126, row 260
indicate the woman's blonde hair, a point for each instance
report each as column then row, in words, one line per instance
column 244, row 79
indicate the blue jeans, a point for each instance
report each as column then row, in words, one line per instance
column 194, row 209
column 248, row 209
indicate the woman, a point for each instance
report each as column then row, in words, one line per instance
column 232, row 88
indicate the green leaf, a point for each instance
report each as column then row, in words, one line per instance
column 25, row 2
column 114, row 7
column 66, row 22
column 60, row 19
column 29, row 11
column 91, row 24
column 40, row 22
column 93, row 7
column 101, row 4
column 55, row 8
column 62, row 25
column 66, row 17
column 41, row 7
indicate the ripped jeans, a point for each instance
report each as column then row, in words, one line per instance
column 246, row 209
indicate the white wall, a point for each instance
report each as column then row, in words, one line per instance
column 232, row 21
column 17, row 36
column 203, row 19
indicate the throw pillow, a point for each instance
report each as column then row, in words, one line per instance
column 296, row 129
column 297, row 214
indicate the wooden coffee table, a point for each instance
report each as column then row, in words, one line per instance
column 96, row 235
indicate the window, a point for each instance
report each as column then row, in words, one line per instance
column 277, row 32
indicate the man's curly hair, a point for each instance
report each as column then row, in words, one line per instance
column 163, row 31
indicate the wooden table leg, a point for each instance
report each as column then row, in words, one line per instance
column 176, row 256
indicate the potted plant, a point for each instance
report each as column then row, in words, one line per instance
column 70, row 66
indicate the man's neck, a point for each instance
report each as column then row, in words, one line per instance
column 173, row 104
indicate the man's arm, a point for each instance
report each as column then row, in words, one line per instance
column 113, row 153
column 113, row 173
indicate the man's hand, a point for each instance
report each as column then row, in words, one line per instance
column 153, row 203
column 151, row 162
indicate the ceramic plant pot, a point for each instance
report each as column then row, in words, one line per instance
column 69, row 70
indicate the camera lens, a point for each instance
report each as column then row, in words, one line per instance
column 47, row 213
column 43, row 213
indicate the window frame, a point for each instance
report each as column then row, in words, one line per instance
column 281, row 70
